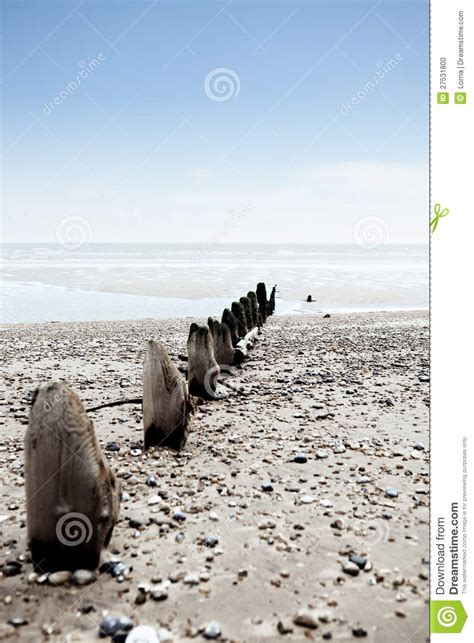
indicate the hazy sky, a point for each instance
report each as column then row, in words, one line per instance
column 110, row 114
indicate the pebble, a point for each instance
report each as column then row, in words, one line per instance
column 306, row 618
column 350, row 568
column 82, row 577
column 114, row 625
column 391, row 492
column 360, row 561
column 154, row 500
column 359, row 632
column 11, row 568
column 59, row 578
column 191, row 579
column 210, row 541
column 300, row 459
column 307, row 500
column 178, row 514
column 326, row 503
column 321, row 455
column 212, row 630
column 159, row 592
column 142, row 634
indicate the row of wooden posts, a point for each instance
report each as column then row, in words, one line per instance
column 72, row 493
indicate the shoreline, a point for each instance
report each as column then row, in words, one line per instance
column 350, row 393
column 305, row 315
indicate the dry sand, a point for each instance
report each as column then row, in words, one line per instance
column 349, row 393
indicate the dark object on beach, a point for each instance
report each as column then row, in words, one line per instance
column 271, row 302
column 246, row 303
column 309, row 299
column 106, row 405
column 239, row 313
column 254, row 306
column 72, row 495
column 262, row 301
column 232, row 324
column 202, row 366
column 223, row 349
column 326, row 316
column 166, row 404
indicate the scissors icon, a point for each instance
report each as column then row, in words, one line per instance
column 439, row 214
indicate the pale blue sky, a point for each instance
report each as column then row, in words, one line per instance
column 140, row 150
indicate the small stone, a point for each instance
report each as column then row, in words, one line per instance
column 11, row 568
column 360, row 561
column 151, row 482
column 363, row 479
column 326, row 503
column 321, row 455
column 154, row 500
column 350, row 568
column 82, row 577
column 267, row 487
column 307, row 500
column 284, row 626
column 212, row 630
column 114, row 625
column 391, row 492
column 337, row 524
column 159, row 592
column 419, row 446
column 191, row 579
column 306, row 618
column 142, row 634
column 112, row 446
column 210, row 541
column 300, row 459
column 18, row 622
column 59, row 578
column 135, row 452
column 359, row 632
column 178, row 514
column 137, row 522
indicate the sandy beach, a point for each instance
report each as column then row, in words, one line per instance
column 297, row 511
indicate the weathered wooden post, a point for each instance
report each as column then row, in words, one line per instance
column 245, row 301
column 223, row 349
column 72, row 495
column 239, row 313
column 254, row 305
column 202, row 366
column 271, row 302
column 230, row 321
column 166, row 404
column 262, row 301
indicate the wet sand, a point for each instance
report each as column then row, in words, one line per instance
column 260, row 540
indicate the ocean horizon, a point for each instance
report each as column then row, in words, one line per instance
column 100, row 281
